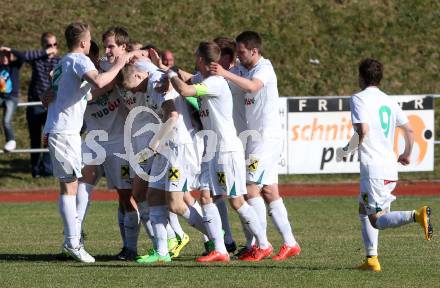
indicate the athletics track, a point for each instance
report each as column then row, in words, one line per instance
column 287, row 190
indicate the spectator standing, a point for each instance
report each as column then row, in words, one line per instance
column 42, row 62
column 9, row 88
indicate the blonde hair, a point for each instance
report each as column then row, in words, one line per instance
column 125, row 76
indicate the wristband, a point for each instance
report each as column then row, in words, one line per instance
column 171, row 74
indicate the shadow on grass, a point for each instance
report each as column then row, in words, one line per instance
column 10, row 166
column 186, row 262
column 49, row 257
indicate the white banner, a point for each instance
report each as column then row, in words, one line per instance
column 319, row 125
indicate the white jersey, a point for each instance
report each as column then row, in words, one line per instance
column 183, row 129
column 65, row 113
column 154, row 100
column 383, row 115
column 216, row 113
column 239, row 111
column 262, row 112
column 108, row 113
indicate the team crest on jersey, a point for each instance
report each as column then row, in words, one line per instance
column 221, row 178
column 102, row 100
column 173, row 174
column 253, row 166
column 125, row 172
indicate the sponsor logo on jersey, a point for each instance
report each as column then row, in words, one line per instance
column 108, row 107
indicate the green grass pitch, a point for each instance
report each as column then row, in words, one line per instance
column 327, row 229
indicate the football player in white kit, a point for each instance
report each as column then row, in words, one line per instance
column 64, row 122
column 375, row 117
column 107, row 113
column 174, row 166
column 226, row 166
column 259, row 82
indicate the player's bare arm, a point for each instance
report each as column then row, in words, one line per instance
column 171, row 117
column 408, row 135
column 355, row 141
column 97, row 92
column 100, row 80
column 248, row 85
column 181, row 87
column 362, row 130
column 155, row 58
column 47, row 97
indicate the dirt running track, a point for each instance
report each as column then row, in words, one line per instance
column 291, row 190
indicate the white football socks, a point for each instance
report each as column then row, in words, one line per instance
column 394, row 219
column 175, row 224
column 213, row 223
column 144, row 214
column 249, row 218
column 260, row 208
column 67, row 205
column 82, row 202
column 170, row 232
column 195, row 219
column 280, row 219
column 131, row 226
column 250, row 239
column 223, row 210
column 370, row 236
column 159, row 220
column 196, row 205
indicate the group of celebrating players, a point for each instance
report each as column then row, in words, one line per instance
column 183, row 135
column 166, row 132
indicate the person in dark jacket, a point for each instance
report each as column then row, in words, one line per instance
column 42, row 62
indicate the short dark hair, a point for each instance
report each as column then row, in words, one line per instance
column 121, row 35
column 74, row 32
column 250, row 39
column 371, row 71
column 151, row 46
column 94, row 48
column 44, row 36
column 209, row 51
column 227, row 46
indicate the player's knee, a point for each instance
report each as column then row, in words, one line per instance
column 253, row 190
column 189, row 199
column 270, row 193
column 177, row 208
column 205, row 197
column 373, row 220
column 236, row 202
